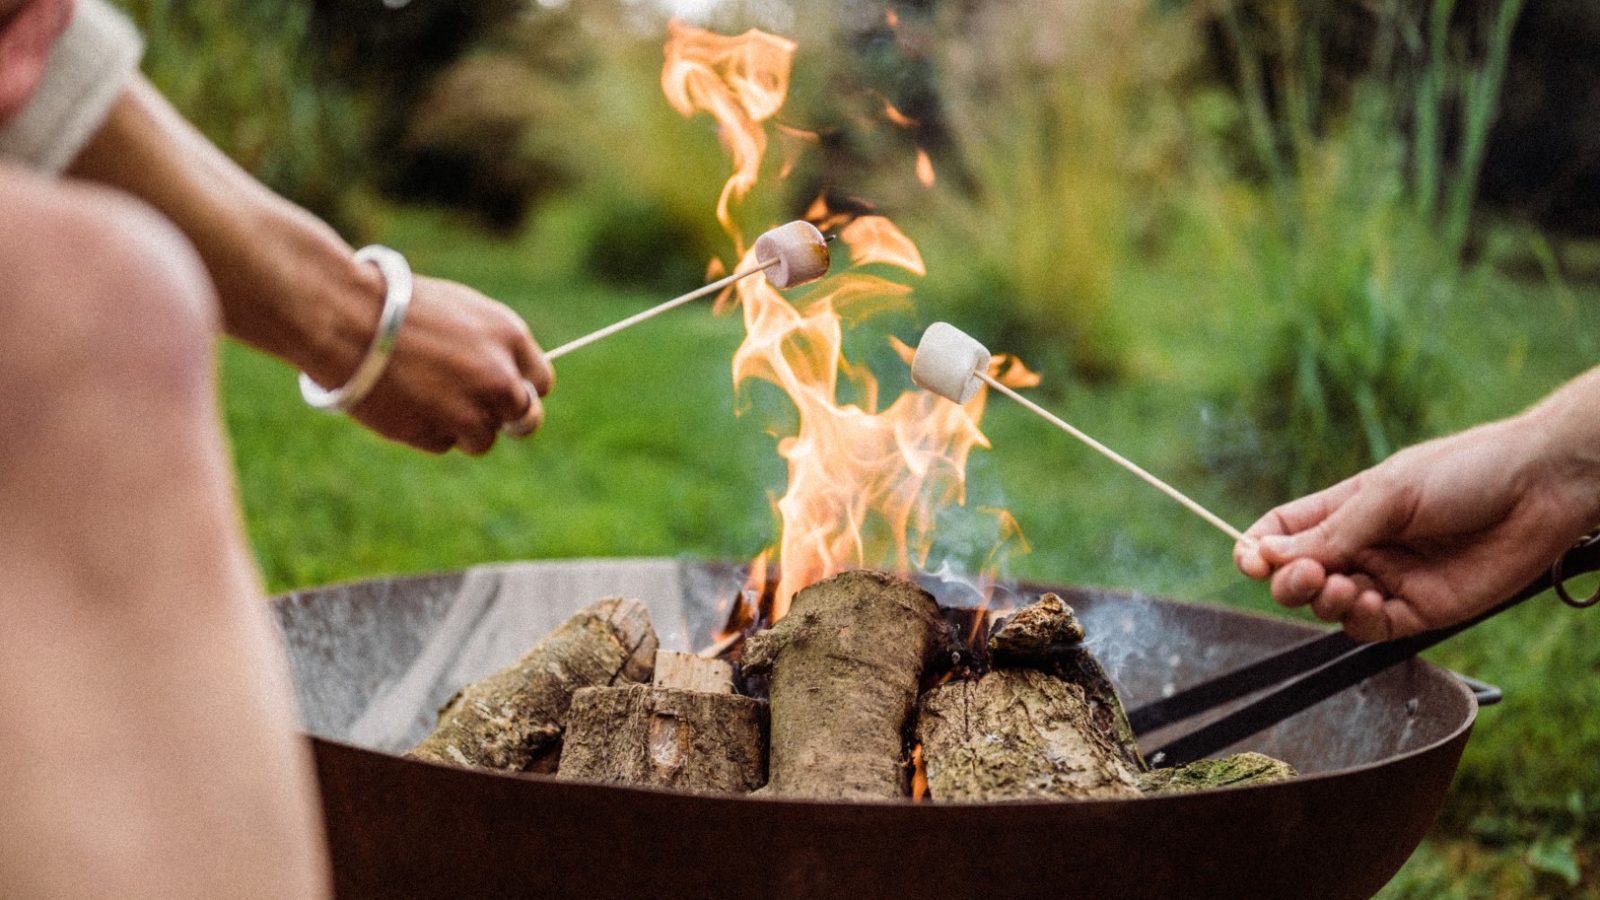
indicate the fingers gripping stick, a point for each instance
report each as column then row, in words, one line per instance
column 950, row 363
column 791, row 255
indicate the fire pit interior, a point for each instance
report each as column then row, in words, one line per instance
column 373, row 661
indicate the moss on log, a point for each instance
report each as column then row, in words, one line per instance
column 1230, row 771
column 513, row 719
column 843, row 672
column 666, row 737
column 1018, row 734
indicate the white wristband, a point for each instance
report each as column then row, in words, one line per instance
column 396, row 298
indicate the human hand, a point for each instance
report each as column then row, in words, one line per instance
column 464, row 366
column 1431, row 536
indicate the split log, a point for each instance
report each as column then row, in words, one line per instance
column 666, row 737
column 693, row 673
column 1229, row 771
column 1018, row 734
column 513, row 719
column 1047, row 636
column 843, row 672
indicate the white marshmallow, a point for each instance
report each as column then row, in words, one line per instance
column 947, row 362
column 801, row 251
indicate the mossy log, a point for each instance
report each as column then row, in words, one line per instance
column 1230, row 771
column 1018, row 734
column 666, row 737
column 513, row 719
column 1047, row 636
column 843, row 670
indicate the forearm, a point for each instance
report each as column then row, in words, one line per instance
column 286, row 281
column 1565, row 431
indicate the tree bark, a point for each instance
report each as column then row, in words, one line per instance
column 666, row 737
column 843, row 672
column 1018, row 734
column 514, row 718
column 1047, row 636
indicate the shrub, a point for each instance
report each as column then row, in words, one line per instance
column 1356, row 239
column 243, row 72
column 1063, row 135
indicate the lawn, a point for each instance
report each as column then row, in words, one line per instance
column 642, row 455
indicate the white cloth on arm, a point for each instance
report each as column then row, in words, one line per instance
column 87, row 70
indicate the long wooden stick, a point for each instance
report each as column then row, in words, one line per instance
column 1115, row 457
column 653, row 311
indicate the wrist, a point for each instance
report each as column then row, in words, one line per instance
column 309, row 302
column 1565, row 430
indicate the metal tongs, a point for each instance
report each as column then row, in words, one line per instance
column 1316, row 669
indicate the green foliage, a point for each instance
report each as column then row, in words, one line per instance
column 245, row 73
column 567, row 104
column 1356, row 243
column 1063, row 131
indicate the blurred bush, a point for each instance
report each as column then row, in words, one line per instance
column 567, row 103
column 245, row 73
column 1064, row 135
column 1356, row 234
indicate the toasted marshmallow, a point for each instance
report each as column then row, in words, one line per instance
column 948, row 361
column 801, row 252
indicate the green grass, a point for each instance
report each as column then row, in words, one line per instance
column 641, row 455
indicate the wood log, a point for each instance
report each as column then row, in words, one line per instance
column 514, row 718
column 1046, row 635
column 1018, row 734
column 666, row 737
column 693, row 673
column 1031, row 634
column 1205, row 774
column 843, row 670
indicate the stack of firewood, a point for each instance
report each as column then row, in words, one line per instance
column 859, row 679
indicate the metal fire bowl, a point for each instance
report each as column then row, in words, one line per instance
column 373, row 660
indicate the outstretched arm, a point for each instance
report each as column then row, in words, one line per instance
column 288, row 286
column 1441, row 531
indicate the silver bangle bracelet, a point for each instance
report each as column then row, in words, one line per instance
column 396, row 298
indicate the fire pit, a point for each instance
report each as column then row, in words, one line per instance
column 373, row 661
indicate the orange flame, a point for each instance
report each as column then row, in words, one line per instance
column 924, row 168
column 742, row 82
column 898, row 118
column 865, row 484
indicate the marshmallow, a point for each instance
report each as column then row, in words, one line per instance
column 947, row 362
column 801, row 252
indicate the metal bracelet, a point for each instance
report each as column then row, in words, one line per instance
column 396, row 299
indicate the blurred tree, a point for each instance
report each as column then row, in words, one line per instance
column 242, row 72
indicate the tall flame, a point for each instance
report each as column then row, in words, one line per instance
column 866, row 485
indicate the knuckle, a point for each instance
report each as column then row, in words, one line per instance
column 510, row 326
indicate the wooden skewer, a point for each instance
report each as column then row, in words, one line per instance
column 653, row 311
column 1115, row 457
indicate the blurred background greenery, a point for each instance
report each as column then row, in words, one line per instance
column 1255, row 245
